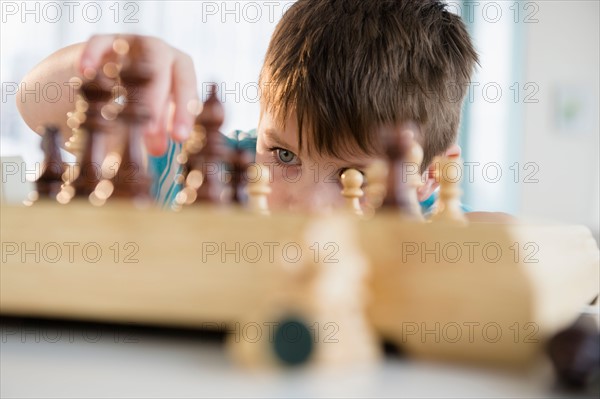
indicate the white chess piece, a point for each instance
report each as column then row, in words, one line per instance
column 352, row 180
column 259, row 190
column 448, row 173
column 375, row 190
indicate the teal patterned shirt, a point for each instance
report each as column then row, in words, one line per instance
column 164, row 169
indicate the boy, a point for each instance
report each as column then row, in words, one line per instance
column 336, row 76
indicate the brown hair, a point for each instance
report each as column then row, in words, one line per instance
column 349, row 66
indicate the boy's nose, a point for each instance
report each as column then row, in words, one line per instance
column 312, row 196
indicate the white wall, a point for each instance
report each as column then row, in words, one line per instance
column 226, row 39
column 562, row 54
column 489, row 149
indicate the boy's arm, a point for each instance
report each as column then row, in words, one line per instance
column 53, row 72
column 174, row 83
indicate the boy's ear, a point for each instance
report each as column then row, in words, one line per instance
column 429, row 183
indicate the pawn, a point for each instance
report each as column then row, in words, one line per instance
column 352, row 181
column 53, row 168
column 448, row 207
column 258, row 191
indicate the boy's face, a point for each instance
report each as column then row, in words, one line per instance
column 300, row 181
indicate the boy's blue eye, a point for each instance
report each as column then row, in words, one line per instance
column 285, row 156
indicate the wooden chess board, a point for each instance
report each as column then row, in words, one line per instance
column 383, row 278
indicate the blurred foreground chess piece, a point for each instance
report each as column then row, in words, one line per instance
column 575, row 353
column 448, row 171
column 95, row 119
column 313, row 292
column 352, row 181
column 404, row 159
column 97, row 93
column 131, row 180
column 111, row 65
column 376, row 186
column 258, row 190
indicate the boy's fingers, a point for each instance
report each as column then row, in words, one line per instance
column 155, row 97
column 185, row 95
column 94, row 50
column 156, row 144
column 155, row 135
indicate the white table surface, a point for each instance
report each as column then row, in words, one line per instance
column 63, row 360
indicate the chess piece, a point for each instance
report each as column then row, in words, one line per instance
column 132, row 180
column 352, row 181
column 51, row 177
column 448, row 204
column 258, row 190
column 239, row 179
column 404, row 157
column 575, row 353
column 96, row 92
column 375, row 189
column 207, row 154
column 76, row 142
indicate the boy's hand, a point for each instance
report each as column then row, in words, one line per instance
column 174, row 84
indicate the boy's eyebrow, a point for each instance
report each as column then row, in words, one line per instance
column 274, row 138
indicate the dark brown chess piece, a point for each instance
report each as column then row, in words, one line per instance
column 239, row 180
column 97, row 92
column 575, row 353
column 211, row 158
column 131, row 179
column 51, row 177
